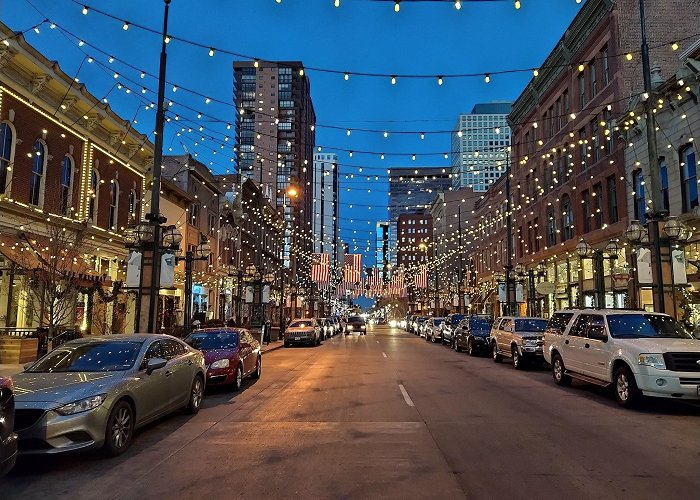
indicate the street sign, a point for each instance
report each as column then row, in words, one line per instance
column 545, row 288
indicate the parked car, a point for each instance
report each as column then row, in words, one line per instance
column 93, row 392
column 433, row 330
column 336, row 325
column 448, row 327
column 520, row 338
column 418, row 325
column 328, row 329
column 302, row 331
column 472, row 334
column 8, row 439
column 638, row 352
column 356, row 324
column 410, row 321
column 230, row 354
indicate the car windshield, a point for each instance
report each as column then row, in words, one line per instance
column 530, row 325
column 646, row 326
column 457, row 318
column 89, row 357
column 301, row 324
column 356, row 319
column 213, row 340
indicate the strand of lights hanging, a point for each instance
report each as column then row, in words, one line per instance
column 393, row 77
column 385, row 133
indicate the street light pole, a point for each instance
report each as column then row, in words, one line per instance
column 510, row 282
column 460, row 277
column 657, row 214
column 154, row 217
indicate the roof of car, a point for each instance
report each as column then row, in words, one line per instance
column 134, row 337
column 520, row 317
column 591, row 310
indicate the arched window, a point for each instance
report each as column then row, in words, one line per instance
column 94, row 196
column 567, row 219
column 36, row 184
column 640, row 209
column 689, row 178
column 66, row 194
column 113, row 205
column 132, row 204
column 7, row 150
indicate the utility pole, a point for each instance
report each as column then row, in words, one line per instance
column 154, row 217
column 460, row 277
column 657, row 214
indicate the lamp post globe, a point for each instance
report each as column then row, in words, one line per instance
column 672, row 227
column 144, row 232
column 634, row 232
column 612, row 248
column 583, row 249
column 130, row 236
column 203, row 250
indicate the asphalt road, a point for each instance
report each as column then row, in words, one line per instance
column 388, row 415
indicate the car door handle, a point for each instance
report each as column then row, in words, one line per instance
column 586, row 345
column 168, row 373
column 566, row 341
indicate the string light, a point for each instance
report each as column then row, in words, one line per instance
column 458, row 4
column 487, row 78
column 393, row 79
column 675, row 46
column 86, row 9
column 517, row 4
column 301, row 71
column 336, row 3
column 167, row 39
column 125, row 26
column 535, row 73
column 211, row 52
column 397, row 5
column 439, row 80
column 628, row 56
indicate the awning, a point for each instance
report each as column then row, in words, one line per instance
column 16, row 251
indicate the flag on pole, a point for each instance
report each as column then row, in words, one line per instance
column 352, row 268
column 421, row 278
column 321, row 270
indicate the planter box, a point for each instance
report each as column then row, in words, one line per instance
column 18, row 350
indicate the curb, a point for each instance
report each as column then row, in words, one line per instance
column 273, row 348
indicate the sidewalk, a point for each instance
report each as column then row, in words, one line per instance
column 275, row 344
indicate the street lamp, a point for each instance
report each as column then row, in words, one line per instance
column 142, row 238
column 675, row 232
column 585, row 251
column 201, row 252
column 532, row 274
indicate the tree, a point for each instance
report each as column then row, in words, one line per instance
column 57, row 270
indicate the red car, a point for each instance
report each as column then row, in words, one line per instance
column 230, row 354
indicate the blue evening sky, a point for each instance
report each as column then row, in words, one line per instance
column 363, row 36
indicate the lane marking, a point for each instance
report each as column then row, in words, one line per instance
column 406, row 397
column 384, row 354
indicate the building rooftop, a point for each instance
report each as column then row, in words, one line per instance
column 492, row 108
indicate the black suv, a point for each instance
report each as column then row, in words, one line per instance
column 473, row 334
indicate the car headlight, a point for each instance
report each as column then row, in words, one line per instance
column 222, row 363
column 82, row 405
column 653, row 360
column 349, row 327
column 362, row 327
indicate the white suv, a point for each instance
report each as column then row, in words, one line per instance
column 638, row 352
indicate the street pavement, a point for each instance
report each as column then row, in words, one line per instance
column 388, row 415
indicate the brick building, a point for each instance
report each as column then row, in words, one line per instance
column 68, row 162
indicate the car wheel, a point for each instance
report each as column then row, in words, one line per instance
column 497, row 358
column 517, row 361
column 471, row 348
column 238, row 379
column 120, row 429
column 559, row 372
column 196, row 395
column 626, row 391
column 258, row 368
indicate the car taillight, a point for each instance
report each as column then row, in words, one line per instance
column 5, row 383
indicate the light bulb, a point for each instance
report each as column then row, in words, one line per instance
column 346, row 76
column 211, row 52
column 166, row 39
column 381, row 156
column 348, row 131
column 439, row 80
column 386, row 134
column 393, row 78
column 397, row 6
column 535, row 73
column 517, row 4
column 256, row 63
column 422, row 135
column 336, row 3
column 301, row 71
column 85, row 10
column 628, row 56
column 125, row 26
column 458, row 4
column 487, row 78
column 675, row 46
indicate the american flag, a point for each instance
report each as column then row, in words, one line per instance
column 321, row 269
column 373, row 282
column 420, row 279
column 352, row 269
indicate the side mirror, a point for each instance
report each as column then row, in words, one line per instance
column 155, row 364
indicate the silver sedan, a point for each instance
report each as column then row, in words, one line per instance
column 93, row 392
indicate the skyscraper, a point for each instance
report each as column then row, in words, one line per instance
column 382, row 248
column 275, row 138
column 479, row 142
column 326, row 209
column 411, row 190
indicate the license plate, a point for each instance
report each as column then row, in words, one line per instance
column 297, row 338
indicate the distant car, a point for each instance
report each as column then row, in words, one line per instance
column 94, row 392
column 336, row 325
column 433, row 330
column 519, row 338
column 230, row 354
column 449, row 325
column 473, row 334
column 356, row 324
column 418, row 325
column 8, row 439
column 423, row 327
column 302, row 331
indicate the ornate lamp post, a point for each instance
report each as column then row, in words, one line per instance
column 585, row 251
column 201, row 252
column 532, row 274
